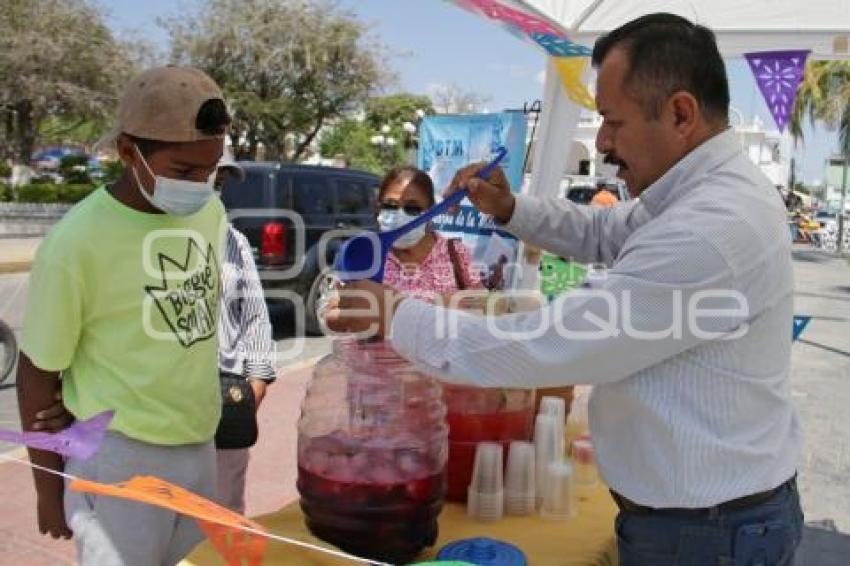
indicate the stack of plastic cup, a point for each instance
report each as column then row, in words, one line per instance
column 556, row 407
column 577, row 421
column 559, row 495
column 520, row 481
column 584, row 461
column 545, row 450
column 485, row 499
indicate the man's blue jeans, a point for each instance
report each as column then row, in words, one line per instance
column 766, row 534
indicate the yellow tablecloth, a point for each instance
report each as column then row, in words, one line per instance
column 586, row 540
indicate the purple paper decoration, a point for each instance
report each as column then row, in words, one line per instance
column 81, row 440
column 558, row 46
column 800, row 323
column 778, row 74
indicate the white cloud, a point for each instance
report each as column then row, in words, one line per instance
column 511, row 69
column 433, row 88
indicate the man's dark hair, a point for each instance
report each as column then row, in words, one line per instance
column 666, row 54
column 212, row 120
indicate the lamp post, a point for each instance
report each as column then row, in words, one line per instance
column 384, row 141
column 845, row 161
column 411, row 142
column 411, row 138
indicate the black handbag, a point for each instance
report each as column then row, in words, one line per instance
column 238, row 425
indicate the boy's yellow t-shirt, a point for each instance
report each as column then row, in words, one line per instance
column 125, row 303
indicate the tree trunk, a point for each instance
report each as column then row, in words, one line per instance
column 841, row 226
column 25, row 134
column 275, row 148
column 6, row 148
column 234, row 145
column 275, row 142
column 302, row 147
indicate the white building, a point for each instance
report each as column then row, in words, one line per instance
column 834, row 181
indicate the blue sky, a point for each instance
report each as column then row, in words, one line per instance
column 433, row 43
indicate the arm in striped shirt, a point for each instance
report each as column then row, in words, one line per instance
column 256, row 331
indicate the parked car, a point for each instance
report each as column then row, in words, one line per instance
column 583, row 194
column 824, row 217
column 325, row 198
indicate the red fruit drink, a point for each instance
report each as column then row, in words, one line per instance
column 482, row 415
column 390, row 522
column 372, row 453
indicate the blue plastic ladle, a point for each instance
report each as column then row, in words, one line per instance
column 356, row 257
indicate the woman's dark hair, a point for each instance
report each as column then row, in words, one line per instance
column 414, row 176
column 212, row 120
column 666, row 54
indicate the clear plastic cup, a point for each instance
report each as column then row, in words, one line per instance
column 559, row 498
column 545, row 450
column 556, row 407
column 584, row 462
column 520, row 480
column 485, row 500
column 578, row 421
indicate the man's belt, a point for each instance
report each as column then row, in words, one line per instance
column 745, row 502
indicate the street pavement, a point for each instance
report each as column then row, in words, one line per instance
column 13, row 296
column 16, row 254
column 820, row 386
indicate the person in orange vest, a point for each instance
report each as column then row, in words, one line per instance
column 604, row 197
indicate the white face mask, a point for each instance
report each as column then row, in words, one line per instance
column 176, row 196
column 392, row 219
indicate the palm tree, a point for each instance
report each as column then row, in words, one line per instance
column 824, row 96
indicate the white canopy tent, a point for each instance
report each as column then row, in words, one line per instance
column 741, row 26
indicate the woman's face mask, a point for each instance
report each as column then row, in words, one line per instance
column 176, row 196
column 392, row 219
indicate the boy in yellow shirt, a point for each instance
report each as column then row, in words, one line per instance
column 122, row 314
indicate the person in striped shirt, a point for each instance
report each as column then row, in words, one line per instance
column 245, row 342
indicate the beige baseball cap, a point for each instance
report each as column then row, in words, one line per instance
column 162, row 104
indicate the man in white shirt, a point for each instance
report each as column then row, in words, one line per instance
column 687, row 338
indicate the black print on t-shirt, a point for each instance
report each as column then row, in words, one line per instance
column 188, row 297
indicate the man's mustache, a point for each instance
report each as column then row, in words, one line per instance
column 611, row 159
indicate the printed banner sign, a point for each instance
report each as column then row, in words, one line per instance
column 449, row 142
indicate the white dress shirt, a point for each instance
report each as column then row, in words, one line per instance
column 699, row 413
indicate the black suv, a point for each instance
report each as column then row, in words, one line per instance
column 264, row 205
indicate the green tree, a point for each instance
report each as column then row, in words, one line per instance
column 72, row 130
column 395, row 109
column 452, row 99
column 74, row 169
column 351, row 140
column 364, row 143
column 287, row 67
column 824, row 96
column 57, row 58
